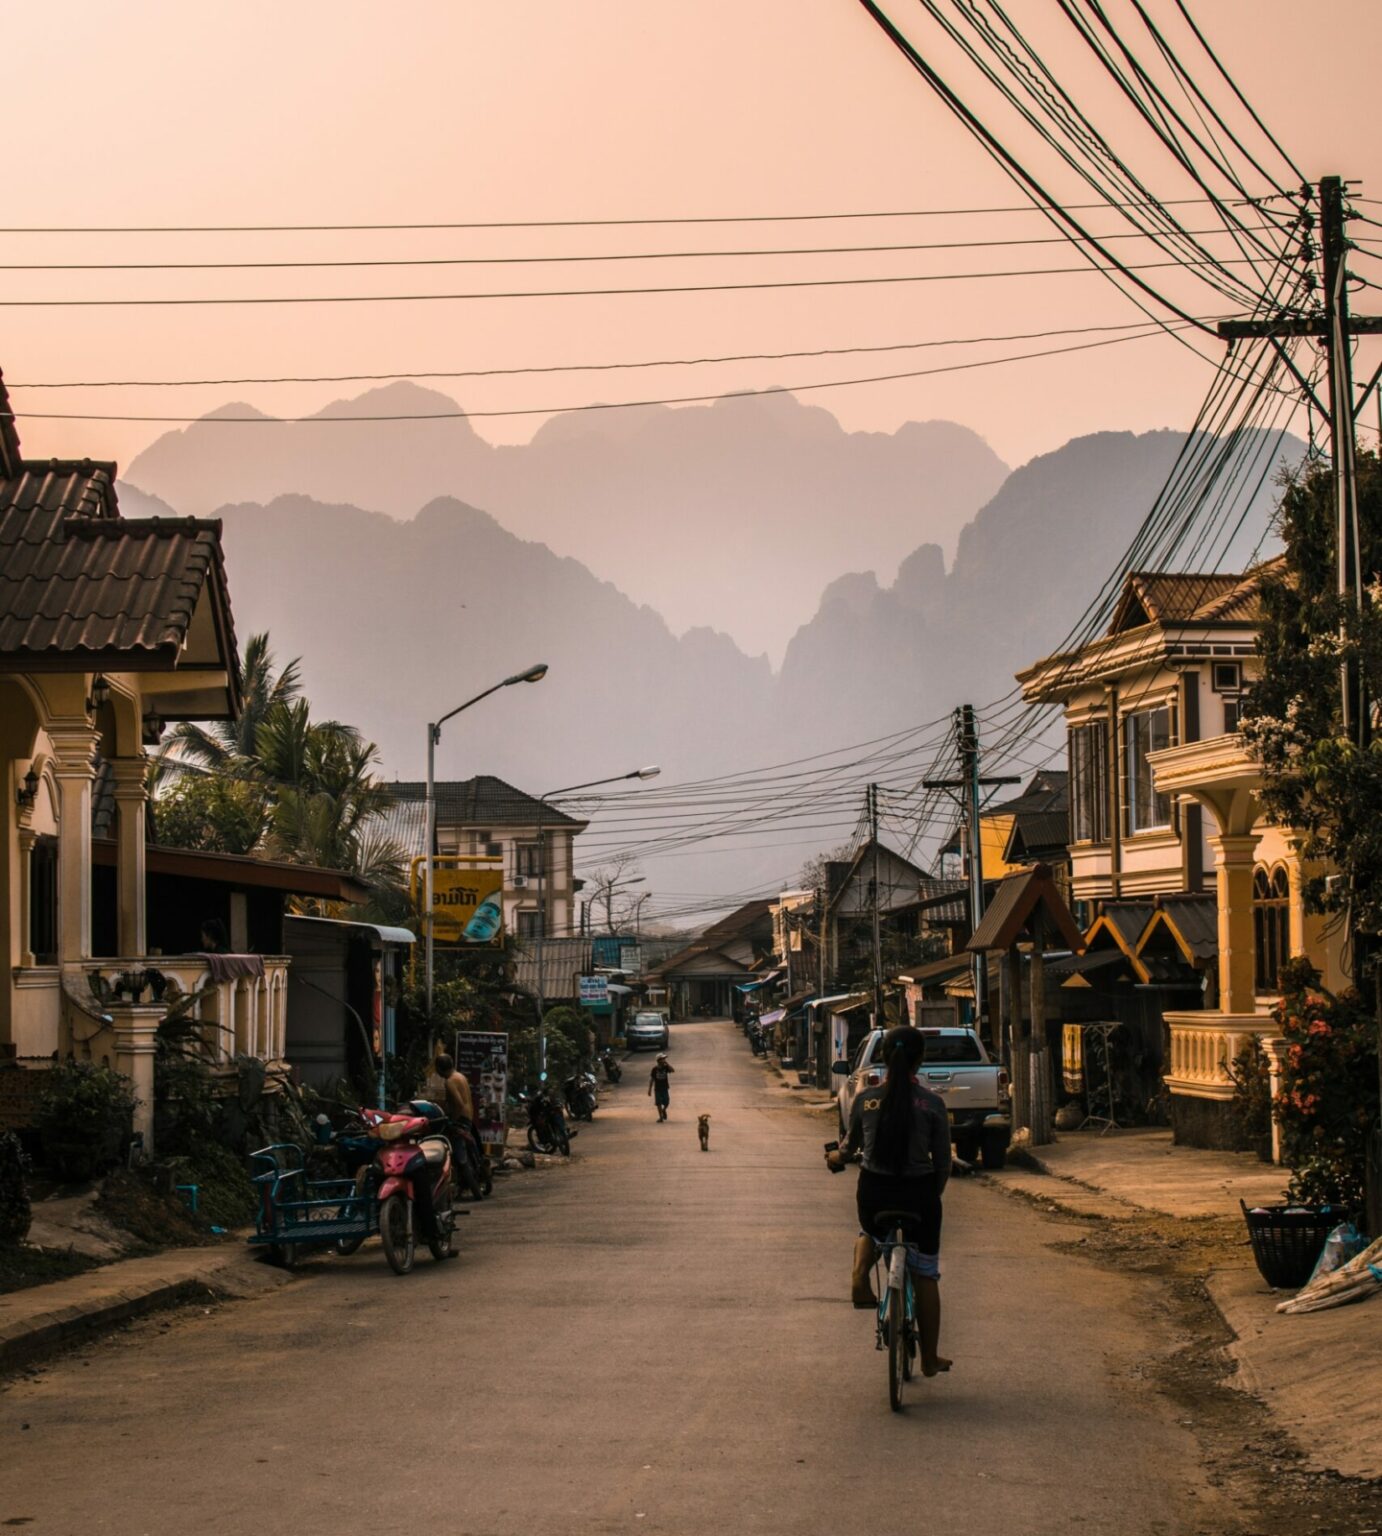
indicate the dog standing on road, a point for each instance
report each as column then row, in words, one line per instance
column 703, row 1131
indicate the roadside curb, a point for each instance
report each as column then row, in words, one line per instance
column 36, row 1321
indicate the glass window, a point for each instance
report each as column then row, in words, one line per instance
column 953, row 1049
column 529, row 923
column 529, row 856
column 1089, row 783
column 1271, row 922
column 1146, row 732
column 43, row 901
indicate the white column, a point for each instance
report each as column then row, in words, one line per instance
column 74, row 747
column 131, row 799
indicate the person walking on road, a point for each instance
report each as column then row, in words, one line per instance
column 659, row 1087
column 901, row 1135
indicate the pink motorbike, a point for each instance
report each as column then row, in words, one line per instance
column 413, row 1172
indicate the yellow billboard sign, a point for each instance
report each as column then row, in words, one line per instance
column 467, row 899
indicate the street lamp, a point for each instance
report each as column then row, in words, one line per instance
column 617, row 778
column 532, row 675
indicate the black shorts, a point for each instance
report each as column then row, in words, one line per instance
column 891, row 1192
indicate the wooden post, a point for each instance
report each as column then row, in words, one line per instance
column 1020, row 1043
column 1040, row 1101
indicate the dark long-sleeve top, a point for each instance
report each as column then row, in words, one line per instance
column 928, row 1146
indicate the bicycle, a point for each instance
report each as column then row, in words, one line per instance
column 895, row 1326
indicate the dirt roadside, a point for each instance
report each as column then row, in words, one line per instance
column 1245, row 1454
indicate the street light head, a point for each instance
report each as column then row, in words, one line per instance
column 532, row 675
column 645, row 773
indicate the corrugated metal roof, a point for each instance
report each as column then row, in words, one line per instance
column 484, row 801
column 404, row 823
column 562, row 961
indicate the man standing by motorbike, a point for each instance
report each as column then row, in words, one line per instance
column 459, row 1104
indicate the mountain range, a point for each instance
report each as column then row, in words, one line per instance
column 398, row 620
column 732, row 515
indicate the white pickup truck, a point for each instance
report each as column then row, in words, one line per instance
column 957, row 1067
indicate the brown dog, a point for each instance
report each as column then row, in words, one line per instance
column 703, row 1131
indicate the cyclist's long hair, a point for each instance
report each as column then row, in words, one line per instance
column 895, row 1117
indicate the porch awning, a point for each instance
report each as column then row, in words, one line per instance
column 245, row 871
column 773, row 1016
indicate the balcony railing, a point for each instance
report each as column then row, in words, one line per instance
column 1203, row 1045
column 244, row 1015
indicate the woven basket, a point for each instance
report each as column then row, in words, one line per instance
column 1287, row 1240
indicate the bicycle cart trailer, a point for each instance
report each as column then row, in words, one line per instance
column 298, row 1215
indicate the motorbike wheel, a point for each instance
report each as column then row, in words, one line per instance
column 446, row 1226
column 396, row 1234
column 285, row 1255
column 540, row 1140
column 586, row 1109
column 563, row 1142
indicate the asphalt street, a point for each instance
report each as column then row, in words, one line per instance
column 649, row 1339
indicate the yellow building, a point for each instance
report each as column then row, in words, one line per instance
column 1163, row 803
column 109, row 628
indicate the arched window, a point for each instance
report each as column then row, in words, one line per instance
column 1271, row 922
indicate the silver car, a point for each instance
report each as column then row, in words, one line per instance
column 648, row 1032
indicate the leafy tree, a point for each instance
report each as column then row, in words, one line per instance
column 213, row 814
column 1316, row 780
column 301, row 790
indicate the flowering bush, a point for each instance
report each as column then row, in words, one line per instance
column 1327, row 1100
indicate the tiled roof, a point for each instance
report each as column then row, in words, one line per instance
column 483, row 801
column 1185, row 597
column 738, row 921
column 77, row 579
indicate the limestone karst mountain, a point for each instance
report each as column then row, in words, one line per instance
column 733, row 515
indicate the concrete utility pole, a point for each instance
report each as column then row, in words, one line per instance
column 1333, row 330
column 967, row 790
column 877, row 932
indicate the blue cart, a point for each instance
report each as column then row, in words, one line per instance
column 298, row 1215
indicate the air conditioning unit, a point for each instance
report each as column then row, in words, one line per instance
column 518, row 882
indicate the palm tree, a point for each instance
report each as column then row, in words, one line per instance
column 225, row 746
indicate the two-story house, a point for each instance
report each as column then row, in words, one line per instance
column 1167, row 842
column 486, row 818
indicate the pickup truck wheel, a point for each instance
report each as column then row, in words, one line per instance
column 994, row 1150
column 967, row 1148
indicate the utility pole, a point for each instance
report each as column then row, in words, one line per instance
column 1333, row 330
column 877, row 933
column 967, row 790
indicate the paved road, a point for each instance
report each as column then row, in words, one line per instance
column 648, row 1340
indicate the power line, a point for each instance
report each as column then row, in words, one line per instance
column 744, row 218
column 658, row 362
column 588, row 293
column 505, row 261
column 552, row 410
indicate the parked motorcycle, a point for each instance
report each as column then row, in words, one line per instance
column 582, row 1100
column 609, row 1064
column 547, row 1128
column 413, row 1166
column 469, row 1165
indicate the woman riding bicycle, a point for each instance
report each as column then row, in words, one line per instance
column 901, row 1133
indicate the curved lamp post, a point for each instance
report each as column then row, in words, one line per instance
column 532, row 675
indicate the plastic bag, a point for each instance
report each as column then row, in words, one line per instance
column 1342, row 1244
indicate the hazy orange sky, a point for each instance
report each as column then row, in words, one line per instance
column 583, row 109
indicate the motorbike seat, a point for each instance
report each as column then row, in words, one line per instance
column 435, row 1150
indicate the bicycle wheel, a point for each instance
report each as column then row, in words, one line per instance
column 897, row 1349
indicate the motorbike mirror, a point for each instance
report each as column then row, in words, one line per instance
column 840, row 1068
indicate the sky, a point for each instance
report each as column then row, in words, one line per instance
column 544, row 110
